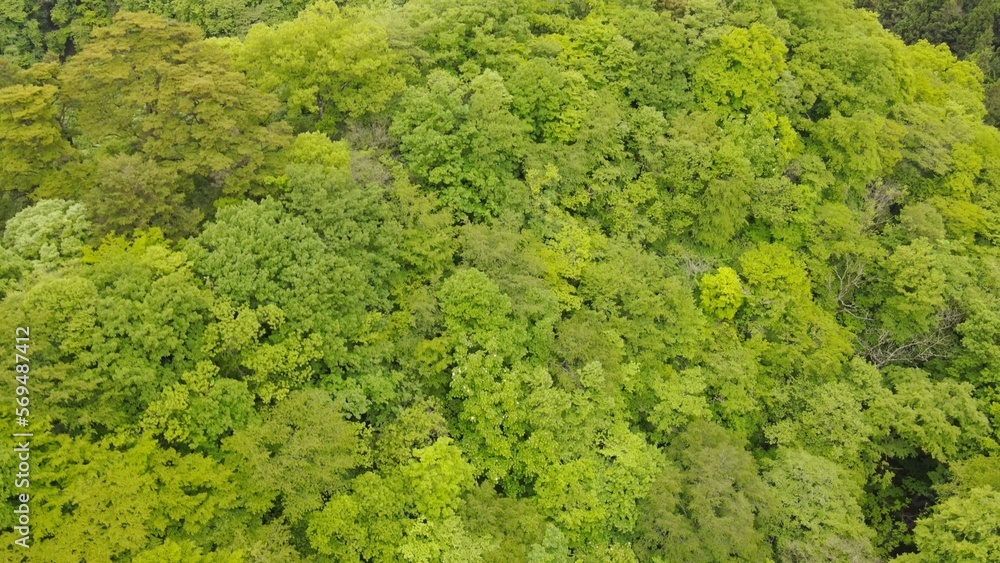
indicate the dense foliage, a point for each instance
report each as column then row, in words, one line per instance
column 969, row 28
column 498, row 280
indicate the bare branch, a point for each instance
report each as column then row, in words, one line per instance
column 919, row 349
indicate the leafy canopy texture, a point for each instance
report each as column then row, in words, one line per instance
column 493, row 281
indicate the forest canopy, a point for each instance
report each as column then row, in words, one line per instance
column 500, row 280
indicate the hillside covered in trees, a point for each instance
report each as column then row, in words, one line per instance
column 496, row 281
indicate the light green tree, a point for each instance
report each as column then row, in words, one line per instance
column 326, row 65
column 721, row 293
column 50, row 231
column 819, row 516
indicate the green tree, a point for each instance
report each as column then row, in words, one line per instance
column 135, row 193
column 740, row 73
column 115, row 328
column 819, row 516
column 710, row 504
column 721, row 293
column 31, row 137
column 259, row 255
column 462, row 139
column 962, row 528
column 326, row 65
column 150, row 87
column 49, row 232
column 219, row 17
column 300, row 453
column 99, row 502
